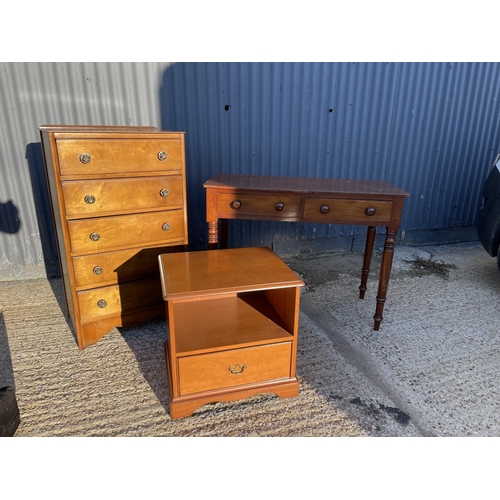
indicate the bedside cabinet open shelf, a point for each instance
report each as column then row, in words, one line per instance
column 233, row 321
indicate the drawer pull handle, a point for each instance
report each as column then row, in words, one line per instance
column 235, row 204
column 166, row 226
column 237, row 369
column 370, row 211
column 162, row 156
column 94, row 236
column 279, row 206
column 102, row 303
column 85, row 158
column 164, row 193
column 324, row 209
column 89, row 199
column 97, row 270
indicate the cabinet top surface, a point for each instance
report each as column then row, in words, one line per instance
column 211, row 272
column 304, row 185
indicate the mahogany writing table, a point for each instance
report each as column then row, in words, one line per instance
column 298, row 199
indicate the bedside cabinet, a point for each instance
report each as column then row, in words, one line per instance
column 233, row 319
column 118, row 198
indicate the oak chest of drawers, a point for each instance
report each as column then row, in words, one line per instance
column 118, row 199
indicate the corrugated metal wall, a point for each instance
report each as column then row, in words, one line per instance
column 33, row 94
column 430, row 128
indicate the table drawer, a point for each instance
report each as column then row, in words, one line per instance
column 236, row 367
column 116, row 300
column 111, row 156
column 118, row 267
column 121, row 231
column 347, row 211
column 234, row 204
column 95, row 197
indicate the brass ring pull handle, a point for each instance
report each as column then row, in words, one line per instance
column 97, row 270
column 162, row 156
column 235, row 204
column 370, row 211
column 89, row 199
column 279, row 206
column 237, row 369
column 102, row 303
column 164, row 192
column 94, row 236
column 324, row 209
column 166, row 226
column 84, row 158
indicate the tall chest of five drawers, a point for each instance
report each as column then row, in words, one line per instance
column 118, row 198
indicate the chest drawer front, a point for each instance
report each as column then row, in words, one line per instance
column 236, row 367
column 234, row 205
column 110, row 156
column 116, row 300
column 121, row 231
column 347, row 211
column 117, row 267
column 95, row 197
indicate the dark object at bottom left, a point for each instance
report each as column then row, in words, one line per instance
column 9, row 412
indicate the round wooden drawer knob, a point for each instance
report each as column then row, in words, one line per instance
column 279, row 206
column 235, row 204
column 324, row 209
column 370, row 211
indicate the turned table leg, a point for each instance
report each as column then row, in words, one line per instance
column 385, row 271
column 370, row 239
column 213, row 235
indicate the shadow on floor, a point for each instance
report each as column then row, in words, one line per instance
column 6, row 370
column 146, row 342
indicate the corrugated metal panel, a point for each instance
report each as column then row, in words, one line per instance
column 430, row 128
column 33, row 94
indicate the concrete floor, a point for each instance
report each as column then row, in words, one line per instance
column 431, row 370
column 437, row 353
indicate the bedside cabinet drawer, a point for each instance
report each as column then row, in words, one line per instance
column 236, row 367
column 271, row 206
column 347, row 211
column 110, row 233
column 111, row 156
column 116, row 300
column 95, row 197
